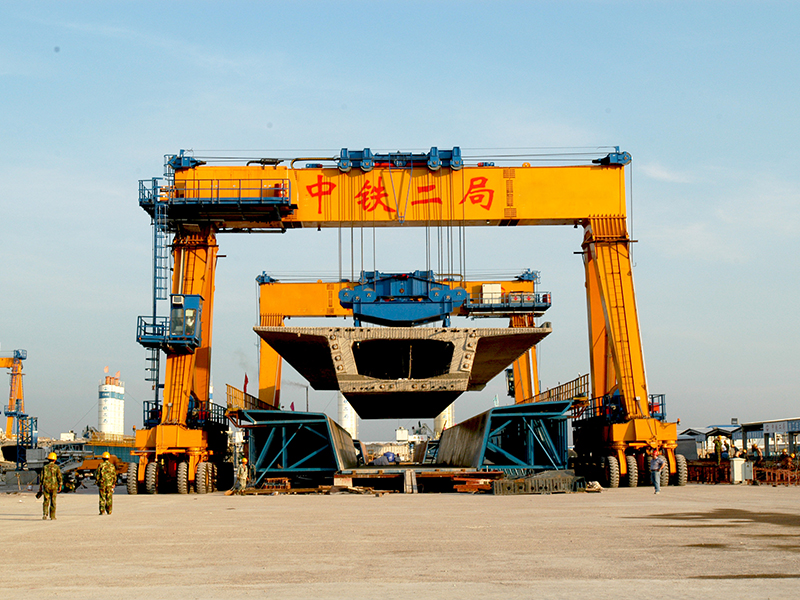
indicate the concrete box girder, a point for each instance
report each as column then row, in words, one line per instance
column 400, row 372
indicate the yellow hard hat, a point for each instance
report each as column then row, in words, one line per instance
column 106, row 456
column 244, row 461
column 52, row 456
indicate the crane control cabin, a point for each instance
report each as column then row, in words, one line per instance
column 181, row 443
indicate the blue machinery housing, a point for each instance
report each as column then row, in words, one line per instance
column 410, row 299
column 180, row 332
column 401, row 299
column 312, row 448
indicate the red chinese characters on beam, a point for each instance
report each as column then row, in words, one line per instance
column 423, row 190
column 319, row 190
column 478, row 193
column 371, row 197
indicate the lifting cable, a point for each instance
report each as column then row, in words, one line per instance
column 449, row 237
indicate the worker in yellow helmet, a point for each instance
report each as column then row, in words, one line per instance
column 50, row 483
column 242, row 474
column 106, row 478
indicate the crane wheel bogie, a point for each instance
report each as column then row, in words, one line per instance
column 201, row 476
column 611, row 471
column 151, row 477
column 133, row 478
column 664, row 475
column 633, row 471
column 182, row 474
column 682, row 470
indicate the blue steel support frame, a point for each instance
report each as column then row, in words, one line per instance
column 292, row 444
column 526, row 437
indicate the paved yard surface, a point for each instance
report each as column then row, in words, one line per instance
column 723, row 541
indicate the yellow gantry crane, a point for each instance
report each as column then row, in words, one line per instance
column 16, row 397
column 181, row 443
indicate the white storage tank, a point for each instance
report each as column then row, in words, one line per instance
column 111, row 406
column 348, row 418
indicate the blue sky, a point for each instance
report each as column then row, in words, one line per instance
column 704, row 95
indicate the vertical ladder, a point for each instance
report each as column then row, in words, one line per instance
column 161, row 277
column 160, row 249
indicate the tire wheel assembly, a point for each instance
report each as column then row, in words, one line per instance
column 183, row 478
column 201, row 478
column 611, row 471
column 151, row 477
column 633, row 471
column 682, row 475
column 133, row 478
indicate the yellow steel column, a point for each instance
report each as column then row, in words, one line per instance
column 190, row 374
column 606, row 243
column 15, row 393
column 526, row 373
column 270, row 364
column 600, row 362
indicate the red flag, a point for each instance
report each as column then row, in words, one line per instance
column 291, row 407
column 245, row 383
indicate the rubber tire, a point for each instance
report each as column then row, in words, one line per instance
column 633, row 471
column 183, row 478
column 212, row 483
column 201, row 478
column 133, row 478
column 611, row 471
column 151, row 478
column 665, row 475
column 682, row 475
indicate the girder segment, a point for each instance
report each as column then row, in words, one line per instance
column 400, row 372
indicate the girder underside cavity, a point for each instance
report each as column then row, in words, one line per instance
column 400, row 372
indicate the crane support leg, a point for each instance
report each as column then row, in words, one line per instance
column 610, row 280
column 526, row 370
column 270, row 364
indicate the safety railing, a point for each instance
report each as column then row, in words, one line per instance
column 152, row 331
column 244, row 191
column 612, row 408
column 577, row 388
column 489, row 303
column 205, row 414
column 239, row 400
column 151, row 414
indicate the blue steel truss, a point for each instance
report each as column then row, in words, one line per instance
column 517, row 438
column 308, row 446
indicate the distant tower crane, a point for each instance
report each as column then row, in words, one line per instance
column 19, row 426
column 16, row 401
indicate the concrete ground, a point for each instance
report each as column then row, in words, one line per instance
column 723, row 541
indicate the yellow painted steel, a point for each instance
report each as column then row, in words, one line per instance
column 526, row 369
column 187, row 376
column 590, row 196
column 16, row 397
column 387, row 197
column 609, row 277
